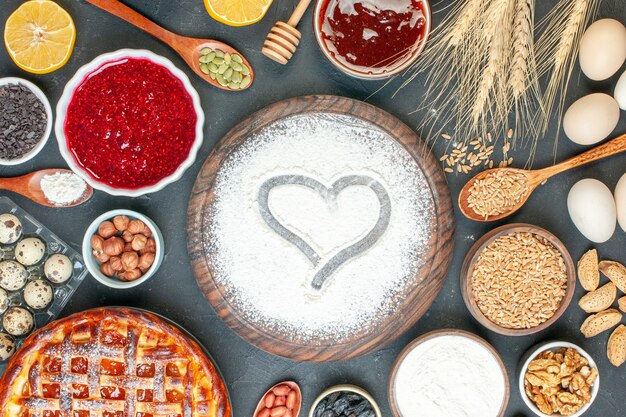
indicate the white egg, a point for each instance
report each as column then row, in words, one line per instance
column 592, row 209
column 591, row 118
column 620, row 201
column 603, row 49
column 620, row 91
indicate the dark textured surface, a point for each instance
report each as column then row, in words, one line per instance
column 174, row 292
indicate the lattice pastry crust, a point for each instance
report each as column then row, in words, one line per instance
column 111, row 362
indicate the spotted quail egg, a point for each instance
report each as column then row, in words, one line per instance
column 10, row 228
column 17, row 321
column 4, row 301
column 30, row 251
column 7, row 346
column 58, row 268
column 38, row 294
column 12, row 275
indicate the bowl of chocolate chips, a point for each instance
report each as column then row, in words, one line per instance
column 25, row 120
column 345, row 401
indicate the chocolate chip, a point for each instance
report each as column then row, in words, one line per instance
column 22, row 121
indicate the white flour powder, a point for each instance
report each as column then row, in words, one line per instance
column 449, row 376
column 267, row 279
column 63, row 187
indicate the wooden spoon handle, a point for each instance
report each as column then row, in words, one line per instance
column 124, row 12
column 297, row 14
column 612, row 147
column 15, row 184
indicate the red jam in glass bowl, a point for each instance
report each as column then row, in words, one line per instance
column 372, row 37
column 130, row 123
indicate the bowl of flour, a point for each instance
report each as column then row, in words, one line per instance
column 448, row 373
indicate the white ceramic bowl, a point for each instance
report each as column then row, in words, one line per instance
column 346, row 388
column 93, row 266
column 46, row 104
column 401, row 66
column 532, row 354
column 78, row 78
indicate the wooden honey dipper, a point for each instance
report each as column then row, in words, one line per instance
column 283, row 39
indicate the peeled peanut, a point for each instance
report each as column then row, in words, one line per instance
column 291, row 400
column 281, row 390
column 269, row 400
column 282, row 400
column 264, row 413
column 278, row 411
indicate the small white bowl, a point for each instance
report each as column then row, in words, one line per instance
column 532, row 354
column 346, row 388
column 46, row 105
column 77, row 80
column 93, row 266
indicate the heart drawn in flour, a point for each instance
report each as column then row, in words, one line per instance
column 329, row 194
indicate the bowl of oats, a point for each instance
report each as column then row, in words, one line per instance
column 558, row 379
column 518, row 279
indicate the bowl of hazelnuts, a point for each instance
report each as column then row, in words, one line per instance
column 123, row 248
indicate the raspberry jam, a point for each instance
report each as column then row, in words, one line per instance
column 130, row 123
column 371, row 36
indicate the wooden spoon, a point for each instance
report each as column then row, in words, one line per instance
column 29, row 185
column 293, row 386
column 538, row 177
column 187, row 48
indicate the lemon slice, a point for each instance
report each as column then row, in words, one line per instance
column 237, row 12
column 39, row 36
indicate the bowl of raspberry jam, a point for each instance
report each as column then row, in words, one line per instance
column 372, row 39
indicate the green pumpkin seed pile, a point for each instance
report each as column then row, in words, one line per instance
column 227, row 69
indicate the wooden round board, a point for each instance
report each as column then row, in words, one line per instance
column 430, row 265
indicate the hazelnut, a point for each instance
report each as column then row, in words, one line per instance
column 145, row 261
column 97, row 244
column 128, row 247
column 149, row 248
column 136, row 226
column 147, row 232
column 107, row 269
column 113, row 246
column 127, row 236
column 101, row 257
column 121, row 222
column 130, row 260
column 131, row 275
column 116, row 263
column 107, row 229
column 139, row 242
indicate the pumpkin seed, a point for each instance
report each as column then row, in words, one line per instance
column 205, row 51
column 228, row 74
column 237, row 77
column 246, row 81
column 222, row 69
column 237, row 67
column 234, row 86
column 213, row 67
column 218, row 61
column 212, row 75
column 204, row 68
column 204, row 59
column 227, row 58
column 221, row 80
column 245, row 70
column 236, row 58
column 219, row 53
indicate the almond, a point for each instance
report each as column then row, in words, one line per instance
column 600, row 299
column 616, row 350
column 600, row 322
column 622, row 304
column 616, row 272
column 588, row 273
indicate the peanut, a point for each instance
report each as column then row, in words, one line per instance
column 291, row 400
column 269, row 400
column 264, row 413
column 278, row 411
column 281, row 390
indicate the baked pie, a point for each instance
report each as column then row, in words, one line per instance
column 112, row 362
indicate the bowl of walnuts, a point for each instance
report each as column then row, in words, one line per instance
column 123, row 248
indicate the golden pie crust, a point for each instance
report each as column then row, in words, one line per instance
column 112, row 362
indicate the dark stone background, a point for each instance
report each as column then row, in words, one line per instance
column 173, row 292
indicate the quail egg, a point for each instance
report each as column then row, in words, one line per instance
column 30, row 251
column 58, row 268
column 38, row 294
column 4, row 301
column 10, row 228
column 7, row 346
column 17, row 321
column 12, row 275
